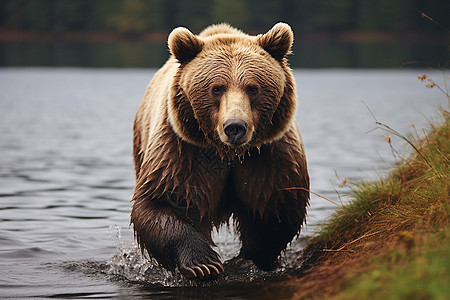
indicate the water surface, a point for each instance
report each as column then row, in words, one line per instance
column 318, row 53
column 66, row 175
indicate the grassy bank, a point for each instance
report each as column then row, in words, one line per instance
column 392, row 241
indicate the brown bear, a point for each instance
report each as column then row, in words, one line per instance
column 215, row 137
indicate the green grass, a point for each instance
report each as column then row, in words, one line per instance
column 417, row 272
column 396, row 228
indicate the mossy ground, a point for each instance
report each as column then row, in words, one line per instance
column 392, row 241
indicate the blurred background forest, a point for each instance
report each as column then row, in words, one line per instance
column 335, row 33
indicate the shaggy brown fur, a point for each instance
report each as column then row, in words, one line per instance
column 191, row 175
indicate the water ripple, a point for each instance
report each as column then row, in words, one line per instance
column 66, row 175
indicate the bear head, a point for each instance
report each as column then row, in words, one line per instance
column 231, row 91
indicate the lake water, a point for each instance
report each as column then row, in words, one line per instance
column 66, row 175
column 307, row 54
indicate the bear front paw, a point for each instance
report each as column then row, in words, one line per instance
column 196, row 260
column 202, row 272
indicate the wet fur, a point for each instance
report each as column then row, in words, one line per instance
column 187, row 181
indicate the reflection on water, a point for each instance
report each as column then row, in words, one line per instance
column 66, row 175
column 139, row 54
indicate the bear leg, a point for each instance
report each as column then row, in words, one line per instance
column 171, row 238
column 263, row 238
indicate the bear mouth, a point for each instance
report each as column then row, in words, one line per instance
column 234, row 151
column 239, row 152
column 231, row 151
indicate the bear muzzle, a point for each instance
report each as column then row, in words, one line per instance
column 235, row 129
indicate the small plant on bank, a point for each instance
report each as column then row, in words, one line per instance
column 391, row 240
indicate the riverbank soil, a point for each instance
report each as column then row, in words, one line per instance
column 392, row 241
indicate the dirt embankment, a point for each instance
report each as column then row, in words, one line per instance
column 392, row 241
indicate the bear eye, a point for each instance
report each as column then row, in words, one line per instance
column 218, row 90
column 252, row 90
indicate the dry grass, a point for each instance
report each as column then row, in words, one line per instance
column 391, row 229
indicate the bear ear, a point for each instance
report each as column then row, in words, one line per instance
column 277, row 41
column 184, row 45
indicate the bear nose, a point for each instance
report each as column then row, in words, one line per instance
column 235, row 129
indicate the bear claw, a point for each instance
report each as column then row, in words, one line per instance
column 192, row 272
column 217, row 266
column 204, row 271
column 199, row 270
column 214, row 268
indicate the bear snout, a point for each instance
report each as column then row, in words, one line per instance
column 235, row 129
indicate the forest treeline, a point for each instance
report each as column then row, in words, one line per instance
column 138, row 17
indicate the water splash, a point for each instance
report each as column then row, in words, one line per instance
column 130, row 263
column 127, row 262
